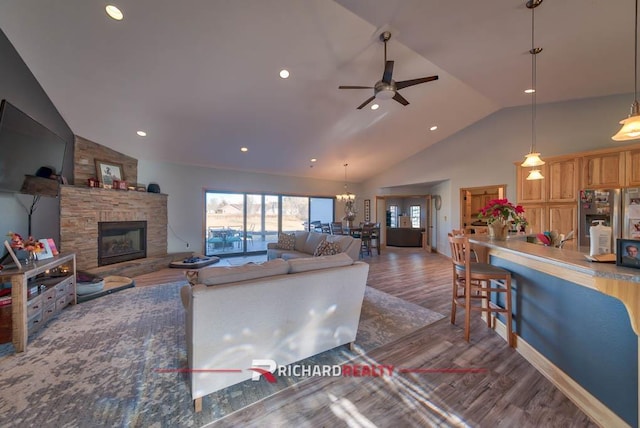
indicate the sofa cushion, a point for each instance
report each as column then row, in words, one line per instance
column 286, row 241
column 226, row 274
column 343, row 240
column 326, row 248
column 301, row 238
column 313, row 239
column 322, row 262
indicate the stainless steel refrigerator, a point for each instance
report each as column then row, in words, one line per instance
column 599, row 204
column 631, row 213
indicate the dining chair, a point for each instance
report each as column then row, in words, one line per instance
column 474, row 284
column 336, row 228
column 365, row 240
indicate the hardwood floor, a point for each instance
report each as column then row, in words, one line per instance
column 504, row 391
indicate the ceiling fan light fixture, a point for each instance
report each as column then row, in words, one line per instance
column 385, row 94
column 535, row 174
column 631, row 125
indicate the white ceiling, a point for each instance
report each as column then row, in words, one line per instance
column 201, row 77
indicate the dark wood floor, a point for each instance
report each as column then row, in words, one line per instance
column 508, row 393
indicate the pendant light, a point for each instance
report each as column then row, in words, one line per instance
column 533, row 158
column 631, row 125
column 346, row 196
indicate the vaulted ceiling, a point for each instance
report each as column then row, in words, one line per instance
column 202, row 77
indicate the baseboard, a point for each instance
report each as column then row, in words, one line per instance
column 586, row 402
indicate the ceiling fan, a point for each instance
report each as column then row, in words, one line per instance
column 387, row 88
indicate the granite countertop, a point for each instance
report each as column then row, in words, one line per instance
column 568, row 259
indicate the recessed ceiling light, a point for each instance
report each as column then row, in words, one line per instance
column 433, row 128
column 244, row 149
column 529, row 91
column 375, row 107
column 141, row 133
column 284, row 73
column 314, row 160
column 114, row 12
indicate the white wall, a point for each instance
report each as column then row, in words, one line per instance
column 485, row 152
column 185, row 186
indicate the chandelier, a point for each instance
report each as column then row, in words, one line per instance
column 346, row 196
column 533, row 158
column 631, row 125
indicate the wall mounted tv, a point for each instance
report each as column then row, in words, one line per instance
column 25, row 146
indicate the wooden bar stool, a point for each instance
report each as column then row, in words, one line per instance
column 474, row 283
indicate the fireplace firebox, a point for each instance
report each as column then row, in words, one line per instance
column 120, row 241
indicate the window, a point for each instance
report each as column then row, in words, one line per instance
column 414, row 213
column 241, row 223
column 393, row 216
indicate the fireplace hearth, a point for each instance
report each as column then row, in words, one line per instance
column 120, row 241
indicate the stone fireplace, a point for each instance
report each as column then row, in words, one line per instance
column 83, row 209
column 121, row 241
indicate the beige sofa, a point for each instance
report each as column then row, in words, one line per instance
column 278, row 310
column 307, row 242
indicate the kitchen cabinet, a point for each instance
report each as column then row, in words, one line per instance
column 563, row 218
column 563, row 180
column 536, row 215
column 632, row 168
column 603, row 171
column 530, row 191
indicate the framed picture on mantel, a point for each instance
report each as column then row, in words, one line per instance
column 108, row 172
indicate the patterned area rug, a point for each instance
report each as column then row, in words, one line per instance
column 96, row 363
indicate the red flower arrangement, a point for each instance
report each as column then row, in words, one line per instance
column 31, row 245
column 503, row 211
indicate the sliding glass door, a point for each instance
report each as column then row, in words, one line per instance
column 243, row 223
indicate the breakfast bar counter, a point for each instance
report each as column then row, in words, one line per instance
column 577, row 322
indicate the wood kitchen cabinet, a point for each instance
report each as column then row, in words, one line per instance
column 563, row 180
column 530, row 191
column 603, row 171
column 536, row 215
column 563, row 217
column 632, row 168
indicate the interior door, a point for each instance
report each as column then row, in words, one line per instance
column 381, row 217
column 428, row 226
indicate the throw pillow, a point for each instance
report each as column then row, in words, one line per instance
column 286, row 241
column 326, row 248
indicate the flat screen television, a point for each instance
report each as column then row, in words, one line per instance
column 25, row 146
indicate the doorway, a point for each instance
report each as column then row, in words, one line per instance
column 391, row 210
column 472, row 200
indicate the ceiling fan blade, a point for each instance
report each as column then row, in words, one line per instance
column 388, row 72
column 355, row 87
column 399, row 98
column 365, row 103
column 406, row 83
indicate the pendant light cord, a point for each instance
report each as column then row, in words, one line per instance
column 635, row 58
column 533, row 81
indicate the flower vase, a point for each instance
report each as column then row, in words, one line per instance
column 498, row 230
column 31, row 258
